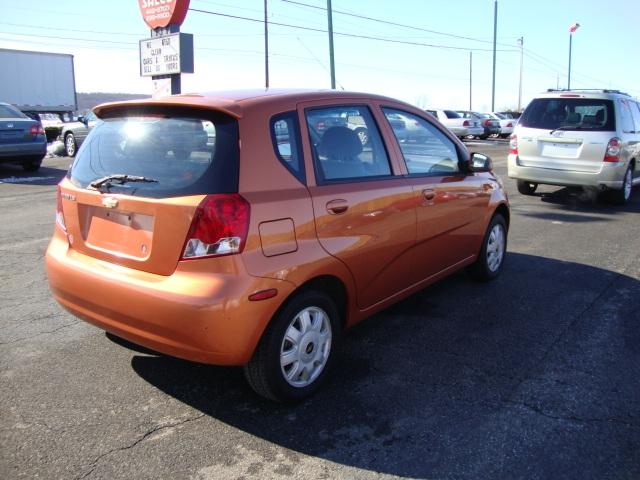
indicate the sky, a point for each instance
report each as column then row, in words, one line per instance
column 431, row 53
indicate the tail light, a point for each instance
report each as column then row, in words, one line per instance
column 612, row 154
column 509, row 125
column 486, row 122
column 36, row 130
column 513, row 144
column 60, row 212
column 219, row 227
column 466, row 123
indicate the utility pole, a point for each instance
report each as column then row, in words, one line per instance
column 470, row 78
column 266, row 47
column 521, row 43
column 331, row 60
column 495, row 35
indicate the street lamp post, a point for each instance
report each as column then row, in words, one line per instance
column 521, row 43
column 572, row 29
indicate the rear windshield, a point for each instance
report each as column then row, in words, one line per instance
column 177, row 155
column 451, row 114
column 569, row 114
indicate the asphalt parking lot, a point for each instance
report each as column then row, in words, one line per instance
column 535, row 375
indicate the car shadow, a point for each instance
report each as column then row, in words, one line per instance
column 574, row 205
column 461, row 380
column 45, row 175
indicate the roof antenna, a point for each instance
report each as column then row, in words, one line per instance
column 318, row 60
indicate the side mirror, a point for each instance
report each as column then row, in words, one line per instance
column 480, row 163
column 82, row 119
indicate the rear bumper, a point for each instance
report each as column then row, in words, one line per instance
column 13, row 151
column 610, row 175
column 192, row 314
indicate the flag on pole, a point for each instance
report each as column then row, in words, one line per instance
column 573, row 27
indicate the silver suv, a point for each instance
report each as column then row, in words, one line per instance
column 587, row 138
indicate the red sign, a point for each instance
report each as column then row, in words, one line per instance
column 160, row 13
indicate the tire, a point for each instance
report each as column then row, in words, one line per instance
column 363, row 136
column 492, row 254
column 527, row 188
column 483, row 137
column 32, row 165
column 622, row 196
column 285, row 372
column 70, row 145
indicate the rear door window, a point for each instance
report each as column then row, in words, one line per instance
column 162, row 155
column 346, row 144
column 568, row 113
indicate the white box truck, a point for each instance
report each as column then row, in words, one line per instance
column 37, row 81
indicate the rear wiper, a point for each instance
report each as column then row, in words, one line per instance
column 120, row 178
column 565, row 127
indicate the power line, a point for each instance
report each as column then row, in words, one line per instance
column 387, row 22
column 350, row 35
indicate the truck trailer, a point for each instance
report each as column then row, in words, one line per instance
column 38, row 82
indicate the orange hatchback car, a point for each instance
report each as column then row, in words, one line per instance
column 251, row 228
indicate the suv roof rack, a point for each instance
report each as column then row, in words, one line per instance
column 600, row 90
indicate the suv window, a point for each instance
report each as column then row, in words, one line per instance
column 285, row 135
column 625, row 117
column 432, row 153
column 569, row 114
column 183, row 154
column 635, row 113
column 346, row 143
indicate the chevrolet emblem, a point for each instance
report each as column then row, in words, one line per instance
column 110, row 202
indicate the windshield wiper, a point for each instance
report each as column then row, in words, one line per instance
column 120, row 178
column 566, row 127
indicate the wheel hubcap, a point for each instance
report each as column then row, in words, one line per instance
column 495, row 248
column 306, row 346
column 71, row 146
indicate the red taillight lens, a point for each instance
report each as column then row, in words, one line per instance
column 486, row 122
column 219, row 227
column 509, row 125
column 60, row 212
column 612, row 154
column 36, row 130
column 466, row 123
column 513, row 144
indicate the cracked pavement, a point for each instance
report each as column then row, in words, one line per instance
column 532, row 376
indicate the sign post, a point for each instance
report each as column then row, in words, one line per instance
column 168, row 53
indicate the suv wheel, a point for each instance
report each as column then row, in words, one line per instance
column 622, row 196
column 70, row 145
column 494, row 247
column 527, row 188
column 295, row 352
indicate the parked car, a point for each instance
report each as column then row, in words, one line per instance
column 578, row 138
column 261, row 255
column 22, row 139
column 506, row 124
column 461, row 127
column 511, row 114
column 74, row 133
column 52, row 124
column 490, row 125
